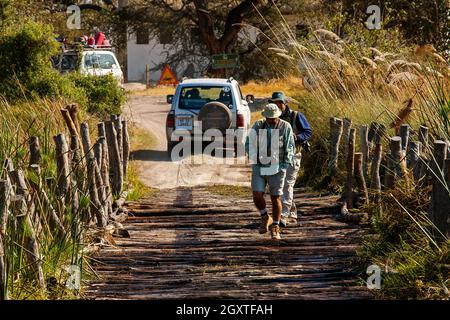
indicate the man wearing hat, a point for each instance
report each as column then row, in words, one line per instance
column 302, row 132
column 270, row 147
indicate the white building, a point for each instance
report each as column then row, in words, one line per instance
column 143, row 49
column 155, row 49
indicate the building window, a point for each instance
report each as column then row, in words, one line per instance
column 165, row 35
column 142, row 36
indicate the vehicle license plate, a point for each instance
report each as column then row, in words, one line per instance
column 184, row 122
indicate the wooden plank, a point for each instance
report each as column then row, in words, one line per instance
column 187, row 255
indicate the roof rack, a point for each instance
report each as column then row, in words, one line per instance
column 77, row 46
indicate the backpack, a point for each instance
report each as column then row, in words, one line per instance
column 305, row 145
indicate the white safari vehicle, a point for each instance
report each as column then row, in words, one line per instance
column 203, row 104
column 97, row 61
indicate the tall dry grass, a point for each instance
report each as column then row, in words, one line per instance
column 42, row 118
column 409, row 86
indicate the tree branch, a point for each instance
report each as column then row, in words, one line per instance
column 234, row 18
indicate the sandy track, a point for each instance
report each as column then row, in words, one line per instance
column 156, row 168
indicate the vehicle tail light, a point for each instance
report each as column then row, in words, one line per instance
column 170, row 121
column 240, row 121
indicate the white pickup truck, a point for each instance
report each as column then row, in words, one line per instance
column 212, row 104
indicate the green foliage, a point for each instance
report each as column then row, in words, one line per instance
column 104, row 95
column 27, row 73
column 25, row 52
column 414, row 265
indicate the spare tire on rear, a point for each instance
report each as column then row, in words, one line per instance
column 215, row 115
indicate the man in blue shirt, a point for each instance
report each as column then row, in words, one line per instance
column 302, row 132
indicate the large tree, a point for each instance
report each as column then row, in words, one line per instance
column 218, row 22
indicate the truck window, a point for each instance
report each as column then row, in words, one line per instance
column 195, row 97
column 99, row 60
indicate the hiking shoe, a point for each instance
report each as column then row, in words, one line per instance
column 283, row 222
column 275, row 232
column 266, row 221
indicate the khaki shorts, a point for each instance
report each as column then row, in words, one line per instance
column 275, row 182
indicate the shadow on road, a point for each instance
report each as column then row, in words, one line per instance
column 162, row 155
column 149, row 155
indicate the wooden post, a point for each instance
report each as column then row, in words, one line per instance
column 114, row 158
column 5, row 193
column 101, row 129
column 93, row 173
column 102, row 133
column 394, row 163
column 104, row 169
column 440, row 198
column 98, row 153
column 372, row 132
column 347, row 123
column 360, row 176
column 18, row 179
column 118, row 126
column 86, row 141
column 335, row 138
column 439, row 156
column 375, row 171
column 126, row 149
column 423, row 138
column 4, row 215
column 98, row 150
column 8, row 165
column 35, row 153
column 364, row 139
column 3, row 274
column 414, row 159
column 27, row 230
column 404, row 134
column 69, row 122
column 62, row 165
column 96, row 205
column 77, row 176
column 73, row 112
column 53, row 216
column 350, row 168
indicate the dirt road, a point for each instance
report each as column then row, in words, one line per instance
column 158, row 171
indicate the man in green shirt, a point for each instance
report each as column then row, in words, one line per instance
column 270, row 146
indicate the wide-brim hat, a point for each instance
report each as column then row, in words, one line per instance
column 271, row 110
column 278, row 96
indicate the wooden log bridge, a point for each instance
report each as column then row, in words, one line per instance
column 191, row 243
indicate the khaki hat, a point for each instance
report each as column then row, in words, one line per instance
column 271, row 110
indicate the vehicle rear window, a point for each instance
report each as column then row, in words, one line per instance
column 196, row 97
column 99, row 60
